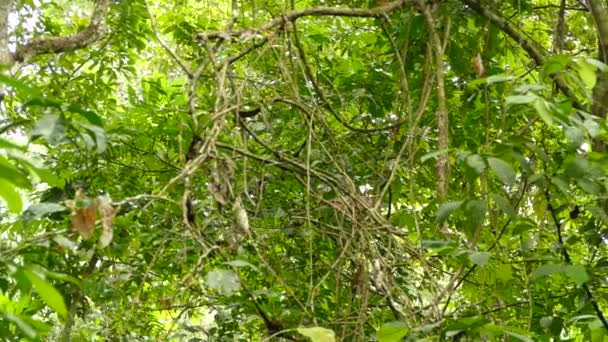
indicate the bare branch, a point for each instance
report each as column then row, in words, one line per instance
column 94, row 32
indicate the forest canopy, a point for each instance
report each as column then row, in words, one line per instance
column 321, row 170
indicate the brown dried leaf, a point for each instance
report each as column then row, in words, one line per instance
column 240, row 217
column 478, row 67
column 84, row 213
column 107, row 219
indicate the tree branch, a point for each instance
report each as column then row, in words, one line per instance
column 528, row 45
column 291, row 16
column 443, row 166
column 94, row 32
column 600, row 91
column 568, row 260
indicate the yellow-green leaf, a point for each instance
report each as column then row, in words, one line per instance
column 318, row 334
column 48, row 293
column 392, row 332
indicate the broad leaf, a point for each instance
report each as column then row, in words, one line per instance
column 504, row 205
column 226, row 282
column 502, row 170
column 546, row 270
column 47, row 293
column 39, row 210
column 479, row 258
column 318, row 334
column 11, row 196
column 392, row 332
column 51, row 127
column 577, row 274
column 446, row 209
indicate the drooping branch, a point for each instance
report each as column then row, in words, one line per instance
column 291, row 16
column 94, row 32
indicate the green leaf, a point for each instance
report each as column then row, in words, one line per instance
column 502, row 170
column 99, row 134
column 47, row 293
column 504, row 273
column 575, row 136
column 511, row 331
column 44, row 102
column 434, row 244
column 588, row 185
column 91, row 117
column 539, row 152
column 544, row 111
column 561, row 184
column 318, row 334
column 476, row 212
column 546, row 321
column 11, row 174
column 446, row 209
column 476, row 162
column 592, row 127
column 434, row 154
column 597, row 331
column 38, row 210
column 241, row 263
column 62, row 277
column 49, row 178
column 520, row 99
column 596, row 63
column 577, row 273
column 499, row 79
column 504, row 205
column 586, row 72
column 392, row 332
column 518, row 336
column 523, row 226
column 546, row 270
column 11, row 196
column 51, row 127
column 554, row 64
column 64, row 242
column 577, row 167
column 479, row 258
column 5, row 144
column 226, row 282
column 20, row 86
column 20, row 323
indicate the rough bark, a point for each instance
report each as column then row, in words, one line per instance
column 600, row 91
column 5, row 55
column 442, row 110
column 94, row 32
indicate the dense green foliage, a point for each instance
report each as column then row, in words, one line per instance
column 268, row 170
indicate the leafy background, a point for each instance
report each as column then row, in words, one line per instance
column 322, row 170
